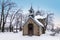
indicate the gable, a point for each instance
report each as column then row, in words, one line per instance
column 31, row 20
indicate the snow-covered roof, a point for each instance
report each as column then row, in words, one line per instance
column 39, row 17
column 36, row 21
column 39, row 22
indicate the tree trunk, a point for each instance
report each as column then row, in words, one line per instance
column 3, row 16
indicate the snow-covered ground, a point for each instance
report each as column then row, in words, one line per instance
column 19, row 36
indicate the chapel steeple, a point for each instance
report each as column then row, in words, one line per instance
column 31, row 12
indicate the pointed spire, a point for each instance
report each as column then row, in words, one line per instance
column 31, row 6
column 31, row 9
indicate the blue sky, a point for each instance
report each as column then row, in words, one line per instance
column 48, row 5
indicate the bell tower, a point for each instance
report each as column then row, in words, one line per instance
column 31, row 12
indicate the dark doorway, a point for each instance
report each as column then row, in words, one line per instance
column 30, row 29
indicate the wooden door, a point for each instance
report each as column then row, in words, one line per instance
column 30, row 29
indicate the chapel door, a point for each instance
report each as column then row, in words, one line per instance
column 30, row 29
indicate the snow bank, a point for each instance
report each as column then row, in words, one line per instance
column 19, row 36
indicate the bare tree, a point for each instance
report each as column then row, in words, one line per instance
column 20, row 16
column 21, row 23
column 12, row 18
column 6, row 6
column 49, row 20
